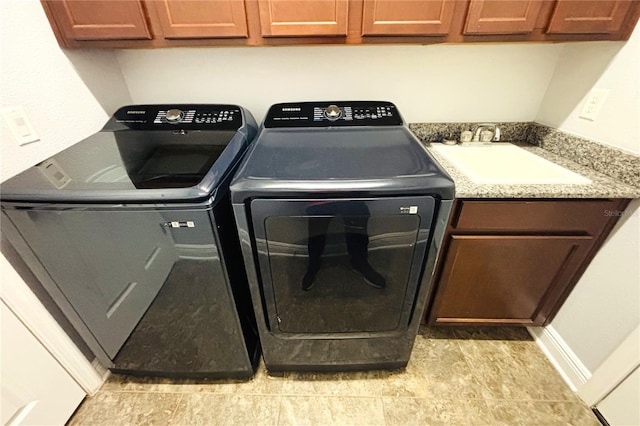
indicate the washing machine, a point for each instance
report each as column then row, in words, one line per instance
column 131, row 233
column 340, row 212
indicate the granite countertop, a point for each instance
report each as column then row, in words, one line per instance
column 614, row 173
column 602, row 186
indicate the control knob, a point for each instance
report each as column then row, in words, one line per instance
column 332, row 112
column 174, row 115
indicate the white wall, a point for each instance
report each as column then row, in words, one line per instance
column 436, row 83
column 605, row 305
column 37, row 75
column 605, row 65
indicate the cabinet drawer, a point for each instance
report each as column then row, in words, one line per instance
column 579, row 216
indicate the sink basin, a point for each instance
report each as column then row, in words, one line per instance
column 505, row 163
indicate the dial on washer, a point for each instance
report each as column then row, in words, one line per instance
column 332, row 112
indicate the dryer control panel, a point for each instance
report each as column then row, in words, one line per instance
column 176, row 117
column 329, row 114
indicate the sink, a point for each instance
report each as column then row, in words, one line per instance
column 505, row 163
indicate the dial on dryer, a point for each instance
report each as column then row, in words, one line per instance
column 174, row 115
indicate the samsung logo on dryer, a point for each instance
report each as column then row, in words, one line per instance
column 136, row 112
column 291, row 109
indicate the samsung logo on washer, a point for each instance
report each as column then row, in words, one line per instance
column 136, row 112
column 291, row 109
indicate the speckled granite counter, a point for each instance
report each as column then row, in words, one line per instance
column 602, row 186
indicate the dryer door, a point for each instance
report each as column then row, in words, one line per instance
column 332, row 266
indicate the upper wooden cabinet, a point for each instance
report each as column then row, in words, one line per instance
column 407, row 17
column 166, row 23
column 296, row 18
column 200, row 19
column 100, row 19
column 502, row 17
column 589, row 17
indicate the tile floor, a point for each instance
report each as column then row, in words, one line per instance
column 456, row 376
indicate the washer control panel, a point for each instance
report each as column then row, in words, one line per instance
column 177, row 117
column 329, row 114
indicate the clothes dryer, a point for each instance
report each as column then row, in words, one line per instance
column 340, row 212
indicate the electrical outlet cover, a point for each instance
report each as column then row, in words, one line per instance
column 592, row 105
column 19, row 125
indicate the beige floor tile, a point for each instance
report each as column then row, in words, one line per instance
column 213, row 409
column 514, row 370
column 456, row 375
column 437, row 369
column 542, row 413
column 326, row 411
column 423, row 412
column 372, row 383
column 126, row 408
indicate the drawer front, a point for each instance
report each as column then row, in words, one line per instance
column 575, row 216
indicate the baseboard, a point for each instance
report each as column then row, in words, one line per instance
column 572, row 370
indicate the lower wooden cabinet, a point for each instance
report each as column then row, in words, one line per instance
column 520, row 272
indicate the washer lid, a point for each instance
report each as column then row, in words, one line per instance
column 348, row 160
column 146, row 153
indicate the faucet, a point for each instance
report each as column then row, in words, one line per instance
column 486, row 126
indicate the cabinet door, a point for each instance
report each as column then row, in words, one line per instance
column 502, row 17
column 201, row 19
column 100, row 19
column 505, row 279
column 287, row 18
column 412, row 17
column 589, row 17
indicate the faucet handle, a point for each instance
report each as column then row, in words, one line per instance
column 486, row 136
column 496, row 134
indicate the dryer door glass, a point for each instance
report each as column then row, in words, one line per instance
column 341, row 266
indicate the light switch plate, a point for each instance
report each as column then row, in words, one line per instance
column 19, row 125
column 593, row 104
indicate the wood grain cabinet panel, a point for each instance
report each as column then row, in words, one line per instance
column 201, row 18
column 505, row 279
column 175, row 23
column 590, row 17
column 577, row 216
column 410, row 17
column 516, row 261
column 100, row 19
column 502, row 17
column 303, row 18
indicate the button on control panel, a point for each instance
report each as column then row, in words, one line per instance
column 330, row 114
column 215, row 116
